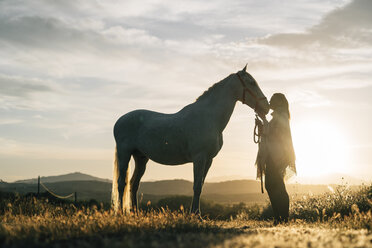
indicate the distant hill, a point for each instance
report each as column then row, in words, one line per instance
column 228, row 192
column 233, row 187
column 167, row 187
column 76, row 176
column 334, row 178
column 86, row 190
column 225, row 178
column 224, row 193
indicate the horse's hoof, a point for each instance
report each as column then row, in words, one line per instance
column 200, row 218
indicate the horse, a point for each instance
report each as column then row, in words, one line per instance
column 194, row 134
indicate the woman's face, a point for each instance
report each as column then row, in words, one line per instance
column 273, row 102
column 277, row 101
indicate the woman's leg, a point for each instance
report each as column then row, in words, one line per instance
column 277, row 192
column 284, row 203
column 272, row 191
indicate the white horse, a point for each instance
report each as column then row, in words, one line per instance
column 194, row 134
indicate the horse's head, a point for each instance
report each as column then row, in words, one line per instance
column 251, row 93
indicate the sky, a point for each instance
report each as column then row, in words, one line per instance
column 70, row 69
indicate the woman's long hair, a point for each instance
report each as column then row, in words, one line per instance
column 285, row 151
column 279, row 103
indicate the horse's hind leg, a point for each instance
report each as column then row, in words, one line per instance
column 140, row 161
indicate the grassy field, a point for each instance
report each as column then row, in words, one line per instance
column 340, row 219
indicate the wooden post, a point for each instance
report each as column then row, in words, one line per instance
column 38, row 185
column 75, row 197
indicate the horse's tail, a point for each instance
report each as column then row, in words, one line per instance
column 115, row 192
column 115, row 177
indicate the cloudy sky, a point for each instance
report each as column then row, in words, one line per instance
column 70, row 69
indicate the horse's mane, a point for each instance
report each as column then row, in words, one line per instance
column 212, row 89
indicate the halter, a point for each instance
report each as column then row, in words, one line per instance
column 246, row 89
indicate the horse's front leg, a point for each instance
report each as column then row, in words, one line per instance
column 201, row 167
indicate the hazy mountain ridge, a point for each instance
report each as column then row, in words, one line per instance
column 336, row 178
column 248, row 191
column 76, row 176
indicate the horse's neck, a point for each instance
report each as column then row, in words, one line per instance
column 220, row 106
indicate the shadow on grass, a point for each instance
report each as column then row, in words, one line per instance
column 197, row 237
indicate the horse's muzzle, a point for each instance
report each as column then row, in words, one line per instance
column 262, row 109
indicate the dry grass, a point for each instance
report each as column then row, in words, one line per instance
column 341, row 219
column 91, row 224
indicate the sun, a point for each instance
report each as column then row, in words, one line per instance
column 321, row 148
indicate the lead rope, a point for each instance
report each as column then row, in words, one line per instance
column 257, row 138
column 257, row 131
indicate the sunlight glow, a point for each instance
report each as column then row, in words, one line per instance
column 321, row 148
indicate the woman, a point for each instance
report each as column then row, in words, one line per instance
column 276, row 157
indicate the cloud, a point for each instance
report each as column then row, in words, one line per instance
column 346, row 27
column 308, row 98
column 22, row 87
column 33, row 150
column 69, row 69
column 43, row 33
column 73, row 26
column 6, row 121
column 350, row 80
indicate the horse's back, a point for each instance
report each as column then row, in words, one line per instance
column 161, row 137
column 132, row 121
column 127, row 126
column 167, row 138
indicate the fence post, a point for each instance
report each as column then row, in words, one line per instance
column 38, row 185
column 75, row 197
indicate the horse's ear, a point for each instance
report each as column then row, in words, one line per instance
column 245, row 68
